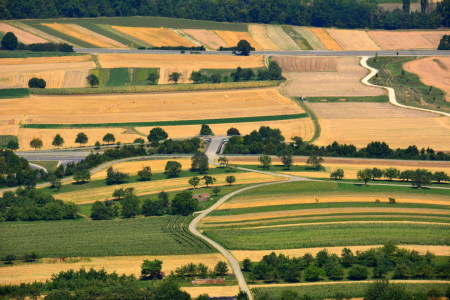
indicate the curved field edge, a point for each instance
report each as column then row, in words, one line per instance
column 330, row 235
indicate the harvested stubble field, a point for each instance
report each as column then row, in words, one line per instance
column 353, row 123
column 433, row 71
column 207, row 37
column 313, row 41
column 281, row 38
column 119, row 108
column 22, row 36
column 257, row 255
column 259, row 34
column 179, row 61
column 232, row 38
column 397, row 40
column 35, row 32
column 302, row 64
column 85, row 35
column 345, row 82
column 303, row 128
column 212, row 291
column 353, row 39
column 146, row 188
column 165, row 72
column 325, row 38
column 129, row 265
column 155, row 36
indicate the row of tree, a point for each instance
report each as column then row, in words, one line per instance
column 200, row 270
column 321, row 13
column 404, row 263
column 418, row 177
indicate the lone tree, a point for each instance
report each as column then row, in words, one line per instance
column 36, row 143
column 175, row 77
column 315, row 161
column 206, row 130
column 230, row 179
column 194, row 181
column 58, row 141
column 145, row 174
column 208, row 180
column 196, row 76
column 286, row 159
column 153, row 77
column 9, row 41
column 364, row 175
column 81, row 138
column 92, row 80
column 265, row 161
column 173, row 168
column 157, row 134
column 337, row 174
column 151, row 268
column 37, row 83
column 243, row 47
column 109, row 138
column 444, row 43
column 199, row 162
column 233, row 131
column 221, row 268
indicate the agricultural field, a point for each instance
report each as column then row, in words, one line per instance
column 353, row 39
column 155, row 37
column 400, row 40
column 280, row 38
column 433, row 71
column 207, row 38
column 314, row 77
column 22, row 36
column 325, row 38
column 233, row 37
column 260, row 34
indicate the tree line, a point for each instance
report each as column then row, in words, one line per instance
column 10, row 42
column 320, row 13
column 270, row 141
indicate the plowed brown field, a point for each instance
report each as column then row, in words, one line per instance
column 119, row 108
column 207, row 37
column 325, row 38
column 306, row 64
column 232, row 38
column 259, row 34
column 155, row 36
column 22, row 36
column 179, row 61
column 345, row 82
column 281, row 38
column 434, row 71
column 353, row 39
column 396, row 40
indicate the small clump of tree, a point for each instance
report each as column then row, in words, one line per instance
column 37, row 83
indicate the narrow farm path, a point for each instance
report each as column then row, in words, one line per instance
column 391, row 91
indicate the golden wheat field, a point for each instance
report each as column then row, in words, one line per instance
column 257, row 255
column 306, row 64
column 260, row 35
column 346, row 81
column 397, row 40
column 152, row 187
column 432, row 71
column 119, row 108
column 232, row 38
column 120, row 264
column 212, row 291
column 207, row 37
column 47, row 60
column 179, row 61
column 22, row 36
column 353, row 39
column 155, row 36
column 325, row 38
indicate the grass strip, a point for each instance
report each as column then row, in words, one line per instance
column 24, row 54
column 315, row 120
column 330, row 235
column 118, row 77
column 48, row 165
column 379, row 99
column 171, row 123
column 14, row 93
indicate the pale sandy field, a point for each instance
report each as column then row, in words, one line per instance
column 396, row 40
column 207, row 37
column 100, row 38
column 22, row 36
column 281, row 38
column 346, row 81
column 212, row 291
column 118, row 108
column 47, row 60
column 434, row 71
column 129, row 265
column 232, row 38
column 155, row 36
column 260, row 35
column 353, row 39
column 325, row 38
column 179, row 61
column 165, row 72
column 35, row 32
column 306, row 64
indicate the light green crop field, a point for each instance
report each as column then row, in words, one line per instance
column 49, row 165
column 167, row 235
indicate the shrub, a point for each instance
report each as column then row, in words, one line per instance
column 37, row 83
column 358, row 273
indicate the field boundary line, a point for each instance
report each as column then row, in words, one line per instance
column 339, row 282
column 391, row 91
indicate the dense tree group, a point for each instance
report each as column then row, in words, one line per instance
column 15, row 170
column 418, row 177
column 321, row 13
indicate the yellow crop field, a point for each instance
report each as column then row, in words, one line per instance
column 233, row 37
column 325, row 38
column 396, row 40
column 152, row 187
column 129, row 265
column 53, row 79
column 353, row 39
column 212, row 291
column 22, row 36
column 259, row 34
column 281, row 38
column 75, row 78
column 84, row 35
column 95, row 35
column 119, row 108
column 47, row 60
column 155, row 36
column 207, row 37
column 182, row 61
column 257, row 255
